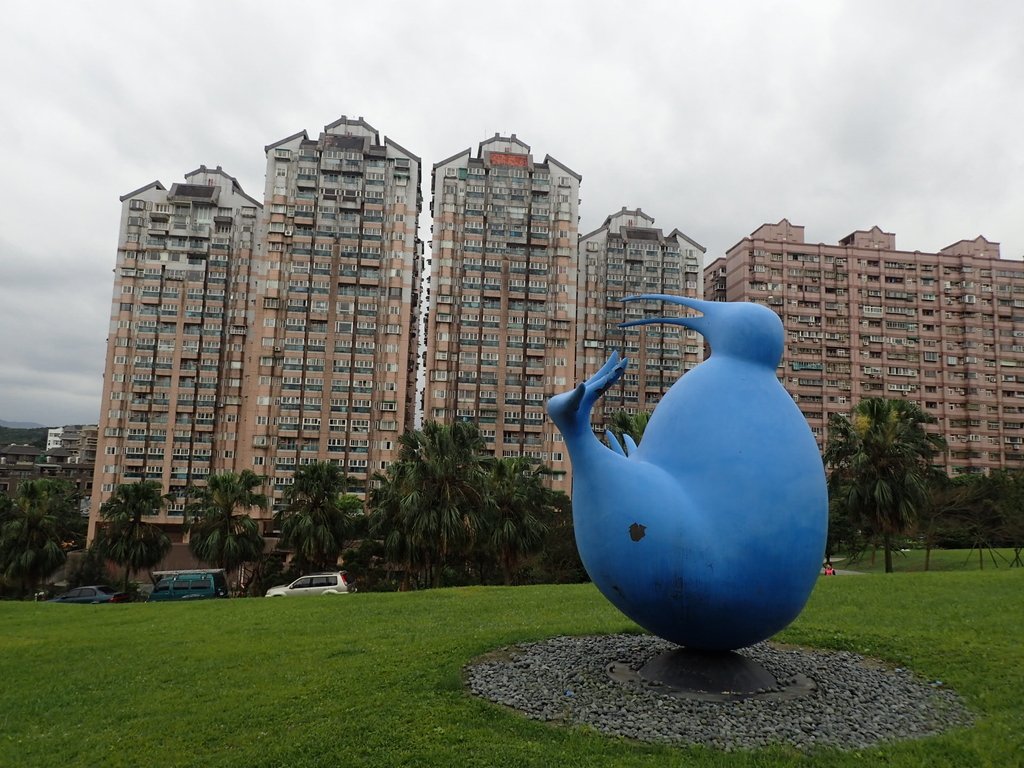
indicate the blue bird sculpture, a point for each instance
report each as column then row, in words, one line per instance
column 710, row 532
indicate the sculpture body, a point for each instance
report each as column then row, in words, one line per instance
column 710, row 532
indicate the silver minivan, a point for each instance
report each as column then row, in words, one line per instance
column 334, row 583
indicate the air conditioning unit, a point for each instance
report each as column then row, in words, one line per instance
column 287, row 233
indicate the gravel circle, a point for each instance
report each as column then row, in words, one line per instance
column 858, row 702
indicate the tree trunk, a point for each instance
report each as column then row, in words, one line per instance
column 981, row 558
column 127, row 576
column 927, row 556
column 886, row 542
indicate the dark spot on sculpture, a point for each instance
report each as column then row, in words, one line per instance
column 637, row 531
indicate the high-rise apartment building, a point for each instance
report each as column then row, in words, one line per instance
column 172, row 391
column 502, row 324
column 627, row 255
column 332, row 364
column 245, row 336
column 864, row 319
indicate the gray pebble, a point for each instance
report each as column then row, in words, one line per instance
column 856, row 704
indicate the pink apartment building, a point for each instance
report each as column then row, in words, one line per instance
column 864, row 319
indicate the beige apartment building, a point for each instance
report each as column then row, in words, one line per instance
column 245, row 336
column 331, row 371
column 864, row 319
column 79, row 440
column 501, row 330
column 627, row 255
column 172, row 388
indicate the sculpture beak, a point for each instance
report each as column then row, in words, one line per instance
column 694, row 323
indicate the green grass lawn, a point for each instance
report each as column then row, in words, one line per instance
column 375, row 679
column 940, row 560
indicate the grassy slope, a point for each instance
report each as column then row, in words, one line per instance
column 374, row 679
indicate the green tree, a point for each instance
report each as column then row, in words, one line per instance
column 37, row 529
column 89, row 568
column 844, row 534
column 559, row 560
column 434, row 497
column 6, row 508
column 318, row 516
column 981, row 524
column 632, row 424
column 945, row 507
column 126, row 537
column 388, row 522
column 1011, row 505
column 520, row 502
column 879, row 460
column 221, row 531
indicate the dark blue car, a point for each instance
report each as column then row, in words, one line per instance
column 99, row 593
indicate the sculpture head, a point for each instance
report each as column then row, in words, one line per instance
column 740, row 330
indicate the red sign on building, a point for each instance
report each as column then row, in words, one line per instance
column 506, row 158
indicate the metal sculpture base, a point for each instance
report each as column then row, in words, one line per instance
column 711, row 676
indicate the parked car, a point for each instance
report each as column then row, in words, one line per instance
column 335, row 583
column 98, row 593
column 190, row 585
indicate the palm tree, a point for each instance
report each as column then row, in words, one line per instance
column 36, row 530
column 388, row 523
column 632, row 424
column 128, row 539
column 445, row 486
column 221, row 531
column 520, row 501
column 318, row 516
column 435, row 497
column 6, row 509
column 880, row 459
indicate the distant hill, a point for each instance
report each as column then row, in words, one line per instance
column 21, row 424
column 33, row 436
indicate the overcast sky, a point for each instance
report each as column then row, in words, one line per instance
column 712, row 117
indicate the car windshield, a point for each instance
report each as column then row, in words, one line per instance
column 105, row 590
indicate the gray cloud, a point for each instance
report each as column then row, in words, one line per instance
column 714, row 118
